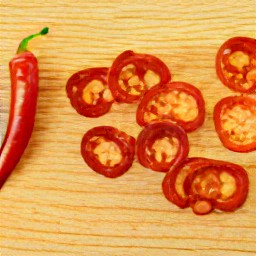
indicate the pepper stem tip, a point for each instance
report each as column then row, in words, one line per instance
column 44, row 31
column 24, row 43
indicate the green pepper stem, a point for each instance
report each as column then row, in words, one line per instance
column 24, row 43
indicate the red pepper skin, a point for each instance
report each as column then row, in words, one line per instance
column 24, row 84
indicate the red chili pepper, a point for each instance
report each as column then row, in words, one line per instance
column 24, row 90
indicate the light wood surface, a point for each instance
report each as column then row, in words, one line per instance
column 53, row 204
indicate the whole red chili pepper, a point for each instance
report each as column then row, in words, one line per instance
column 24, row 90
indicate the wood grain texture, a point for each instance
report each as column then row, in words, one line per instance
column 53, row 204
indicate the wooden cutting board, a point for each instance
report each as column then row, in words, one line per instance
column 53, row 204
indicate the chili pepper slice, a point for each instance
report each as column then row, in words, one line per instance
column 207, row 184
column 236, row 64
column 235, row 123
column 131, row 74
column 89, row 93
column 24, row 90
column 179, row 102
column 108, row 151
column 161, row 146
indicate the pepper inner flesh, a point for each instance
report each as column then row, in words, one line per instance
column 228, row 185
column 107, row 152
column 240, row 68
column 165, row 149
column 207, row 185
column 180, row 181
column 239, row 122
column 177, row 104
column 239, row 59
column 151, row 78
column 130, row 81
column 94, row 90
column 213, row 185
